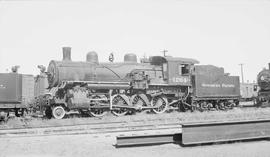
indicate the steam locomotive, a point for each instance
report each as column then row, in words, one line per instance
column 263, row 80
column 157, row 83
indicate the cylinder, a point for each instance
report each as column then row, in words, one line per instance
column 130, row 57
column 92, row 57
column 66, row 53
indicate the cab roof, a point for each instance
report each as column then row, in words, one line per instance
column 157, row 60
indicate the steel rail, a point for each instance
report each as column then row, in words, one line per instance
column 128, row 141
column 202, row 133
column 86, row 129
column 98, row 122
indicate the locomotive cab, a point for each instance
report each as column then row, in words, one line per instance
column 176, row 71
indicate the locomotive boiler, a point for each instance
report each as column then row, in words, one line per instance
column 158, row 83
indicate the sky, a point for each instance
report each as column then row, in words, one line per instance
column 216, row 32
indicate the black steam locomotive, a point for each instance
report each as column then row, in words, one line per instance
column 263, row 80
column 158, row 83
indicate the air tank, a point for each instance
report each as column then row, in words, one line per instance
column 130, row 58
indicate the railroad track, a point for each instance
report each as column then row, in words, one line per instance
column 203, row 133
column 139, row 133
column 95, row 128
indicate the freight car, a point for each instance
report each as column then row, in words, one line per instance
column 16, row 92
column 263, row 80
column 158, row 83
column 249, row 91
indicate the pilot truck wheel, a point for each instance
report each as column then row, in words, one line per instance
column 58, row 112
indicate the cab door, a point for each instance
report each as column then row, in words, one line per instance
column 165, row 71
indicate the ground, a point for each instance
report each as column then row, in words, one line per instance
column 103, row 145
column 181, row 117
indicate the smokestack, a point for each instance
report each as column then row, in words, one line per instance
column 66, row 53
column 268, row 66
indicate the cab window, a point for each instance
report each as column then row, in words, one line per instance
column 255, row 88
column 165, row 65
column 183, row 69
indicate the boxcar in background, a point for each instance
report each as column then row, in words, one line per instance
column 41, row 85
column 249, row 91
column 27, row 88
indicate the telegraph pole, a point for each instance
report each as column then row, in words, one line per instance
column 242, row 73
column 164, row 52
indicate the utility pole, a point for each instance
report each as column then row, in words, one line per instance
column 164, row 52
column 242, row 73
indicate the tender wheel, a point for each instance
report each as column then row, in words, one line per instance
column 230, row 105
column 4, row 115
column 58, row 112
column 20, row 112
column 120, row 100
column 17, row 113
column 161, row 103
column 97, row 112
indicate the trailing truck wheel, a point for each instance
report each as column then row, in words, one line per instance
column 119, row 100
column 161, row 103
column 58, row 112
column 97, row 112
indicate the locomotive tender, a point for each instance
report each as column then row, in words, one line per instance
column 158, row 83
column 16, row 93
